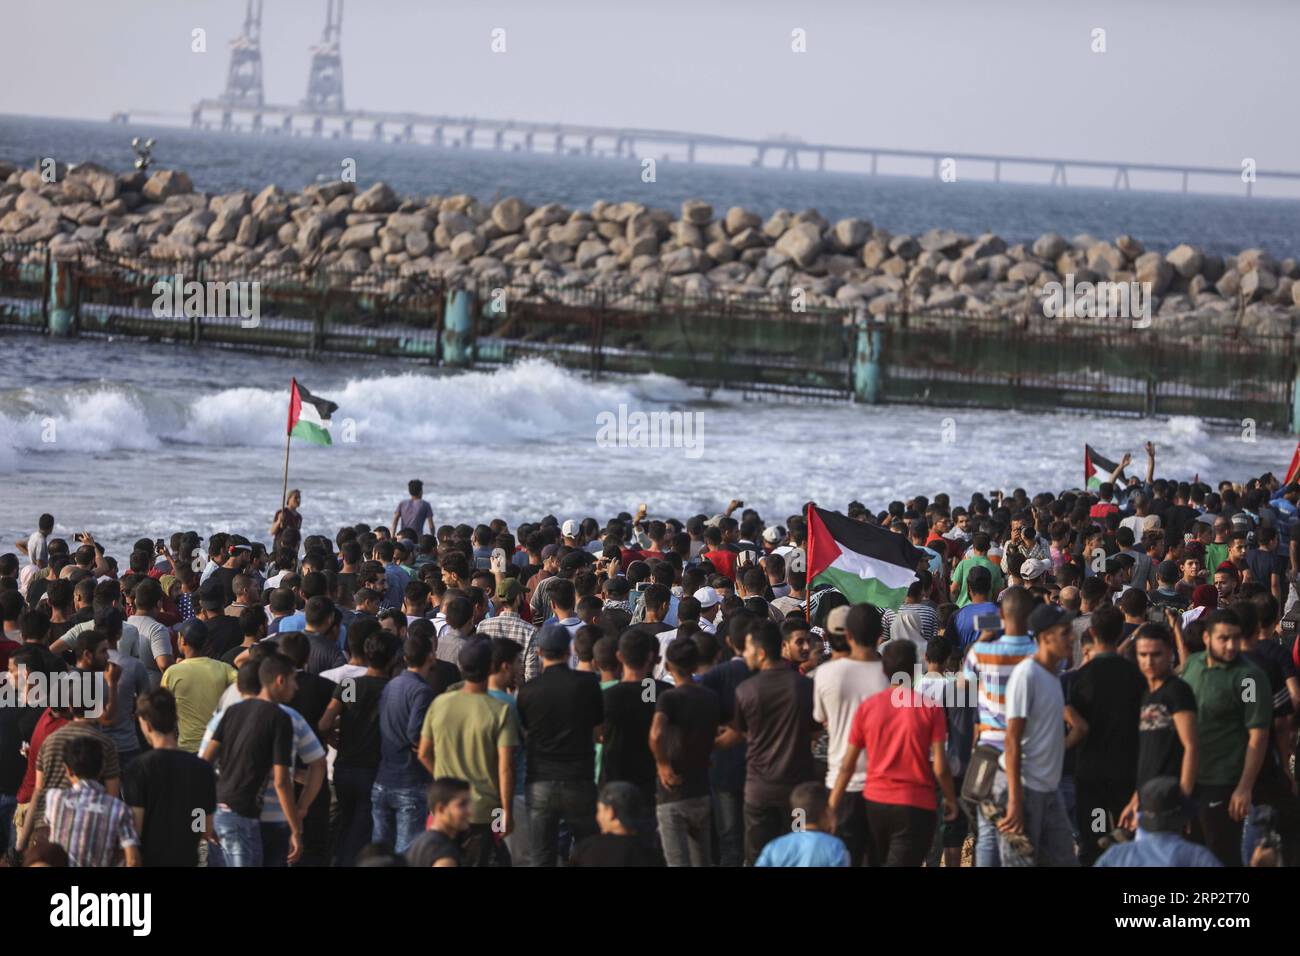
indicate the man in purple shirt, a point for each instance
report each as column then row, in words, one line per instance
column 414, row 513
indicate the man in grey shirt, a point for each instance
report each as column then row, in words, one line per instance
column 414, row 512
column 1030, row 767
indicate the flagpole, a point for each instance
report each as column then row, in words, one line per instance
column 288, row 431
column 807, row 584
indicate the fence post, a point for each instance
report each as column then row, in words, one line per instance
column 458, row 334
column 62, row 307
column 868, row 359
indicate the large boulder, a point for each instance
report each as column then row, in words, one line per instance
column 684, row 261
column 848, row 235
column 1186, row 260
column 905, row 247
column 509, row 214
column 738, row 219
column 1050, row 245
column 361, row 236
column 167, row 182
column 697, row 212
column 1154, row 268
column 802, row 243
column 1257, row 283
column 378, row 198
column 91, row 183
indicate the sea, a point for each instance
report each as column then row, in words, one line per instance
column 130, row 440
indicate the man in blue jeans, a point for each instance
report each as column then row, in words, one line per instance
column 685, row 724
column 398, row 797
column 560, row 711
column 254, row 740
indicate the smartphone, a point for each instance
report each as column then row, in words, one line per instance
column 158, row 545
column 483, row 564
column 643, row 586
column 988, row 622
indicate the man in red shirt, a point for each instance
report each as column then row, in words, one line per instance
column 723, row 561
column 903, row 735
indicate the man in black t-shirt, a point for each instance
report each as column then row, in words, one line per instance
column 559, row 710
column 1167, row 743
column 682, row 736
column 1107, row 694
column 253, row 741
column 351, row 725
column 166, row 786
column 629, row 710
column 774, row 715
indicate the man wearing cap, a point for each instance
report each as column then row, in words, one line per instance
column 224, row 631
column 571, row 533
column 197, row 682
column 1162, row 815
column 1029, row 771
column 471, row 735
column 559, row 711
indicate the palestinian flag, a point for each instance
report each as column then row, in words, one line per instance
column 1293, row 470
column 863, row 561
column 1096, row 469
column 309, row 416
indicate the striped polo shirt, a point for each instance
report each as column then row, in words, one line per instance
column 988, row 666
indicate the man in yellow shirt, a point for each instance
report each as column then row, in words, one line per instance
column 197, row 682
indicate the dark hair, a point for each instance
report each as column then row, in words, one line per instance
column 625, row 800
column 274, row 666
column 636, row 647
column 504, row 651
column 898, row 657
column 444, row 790
column 417, row 648
column 683, row 655
column 1107, row 625
column 157, row 708
column 767, row 636
column 84, row 756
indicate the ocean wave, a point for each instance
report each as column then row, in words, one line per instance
column 530, row 401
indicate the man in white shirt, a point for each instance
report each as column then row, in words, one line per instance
column 853, row 674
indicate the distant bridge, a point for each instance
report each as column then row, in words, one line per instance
column 242, row 108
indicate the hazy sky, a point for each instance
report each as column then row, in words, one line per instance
column 1181, row 81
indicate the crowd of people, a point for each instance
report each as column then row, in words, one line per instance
column 1104, row 677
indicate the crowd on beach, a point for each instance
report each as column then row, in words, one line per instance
column 1098, row 677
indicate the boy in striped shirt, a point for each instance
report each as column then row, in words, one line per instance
column 989, row 663
column 88, row 822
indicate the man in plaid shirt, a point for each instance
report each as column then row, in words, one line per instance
column 84, row 819
column 507, row 623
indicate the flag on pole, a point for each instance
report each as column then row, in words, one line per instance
column 1096, row 469
column 309, row 416
column 1293, row 470
column 862, row 561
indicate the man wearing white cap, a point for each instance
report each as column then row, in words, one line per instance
column 570, row 530
column 1034, row 571
column 710, row 605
